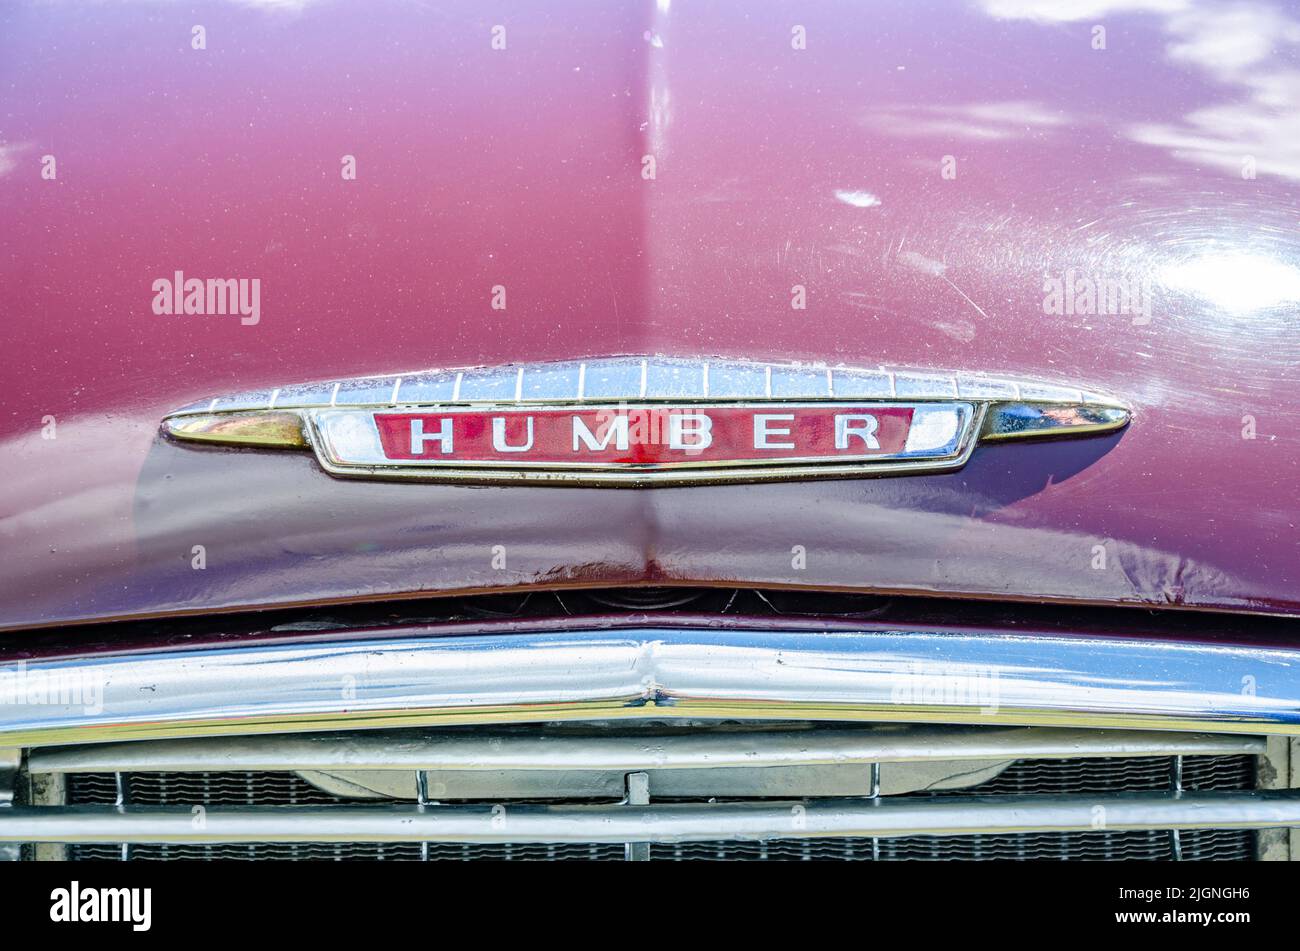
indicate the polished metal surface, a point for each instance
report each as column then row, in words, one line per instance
column 626, row 751
column 636, row 378
column 1013, row 420
column 941, row 815
column 414, row 678
column 338, row 419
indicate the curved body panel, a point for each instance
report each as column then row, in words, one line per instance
column 974, row 186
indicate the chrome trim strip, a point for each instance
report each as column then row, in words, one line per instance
column 624, row 752
column 1015, row 420
column 702, row 822
column 421, row 679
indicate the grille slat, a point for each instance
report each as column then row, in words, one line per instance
column 362, row 852
column 1078, row 846
column 1025, row 777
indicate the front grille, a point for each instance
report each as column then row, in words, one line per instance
column 1106, row 775
column 357, row 852
column 200, row 789
column 1118, row 774
column 1208, row 845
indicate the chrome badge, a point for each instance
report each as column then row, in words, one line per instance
column 636, row 421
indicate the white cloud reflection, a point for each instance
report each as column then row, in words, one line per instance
column 1248, row 48
column 9, row 152
column 987, row 121
column 1237, row 282
column 1066, row 11
column 858, row 199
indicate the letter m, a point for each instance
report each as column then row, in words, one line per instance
column 116, row 904
column 222, row 295
column 614, row 428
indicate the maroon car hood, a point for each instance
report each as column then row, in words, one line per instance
column 924, row 172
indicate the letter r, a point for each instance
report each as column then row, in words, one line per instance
column 866, row 431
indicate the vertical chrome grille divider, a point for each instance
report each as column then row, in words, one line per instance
column 638, row 794
column 875, row 796
column 10, row 762
column 119, row 800
column 1176, row 784
column 422, row 799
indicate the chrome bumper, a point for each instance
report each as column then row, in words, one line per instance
column 421, row 679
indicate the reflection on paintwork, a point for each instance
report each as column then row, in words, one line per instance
column 1249, row 49
column 1235, row 282
column 858, row 199
column 524, row 166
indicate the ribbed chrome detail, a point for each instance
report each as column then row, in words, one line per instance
column 640, row 378
column 948, row 415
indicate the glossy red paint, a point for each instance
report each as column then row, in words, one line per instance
column 647, row 436
column 927, row 173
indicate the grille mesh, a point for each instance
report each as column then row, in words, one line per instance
column 1210, row 844
column 357, row 851
column 1026, row 777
